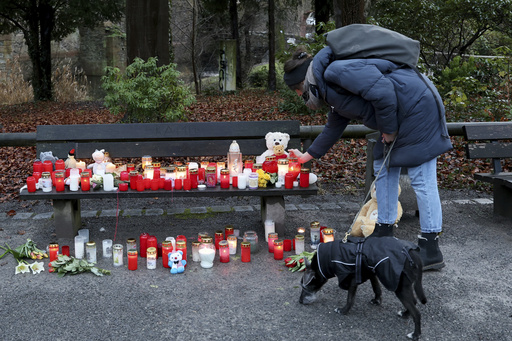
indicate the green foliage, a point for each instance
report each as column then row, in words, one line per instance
column 293, row 103
column 146, row 92
column 258, row 77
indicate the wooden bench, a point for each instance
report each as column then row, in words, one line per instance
column 188, row 140
column 493, row 143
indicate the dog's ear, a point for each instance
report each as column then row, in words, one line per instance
column 308, row 277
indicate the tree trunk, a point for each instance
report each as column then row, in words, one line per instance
column 271, row 46
column 348, row 12
column 322, row 12
column 233, row 14
column 193, row 49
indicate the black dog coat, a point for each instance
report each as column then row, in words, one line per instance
column 385, row 256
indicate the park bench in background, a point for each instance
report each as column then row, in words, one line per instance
column 190, row 139
column 493, row 141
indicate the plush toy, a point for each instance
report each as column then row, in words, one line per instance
column 279, row 152
column 176, row 262
column 98, row 167
column 70, row 161
column 274, row 139
column 364, row 224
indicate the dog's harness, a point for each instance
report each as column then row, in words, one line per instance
column 359, row 257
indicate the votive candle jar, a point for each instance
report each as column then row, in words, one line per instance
column 224, row 251
column 294, row 167
column 59, row 181
column 207, row 252
column 287, row 245
column 304, row 177
column 187, row 184
column 182, row 245
column 53, row 253
column 151, row 258
column 299, row 244
column 253, row 180
column 46, row 181
column 107, row 248
column 224, row 178
column 328, row 235
column 166, row 249
column 270, row 238
column 315, row 234
column 131, row 243
column 133, row 179
column 194, row 181
column 210, row 177
column 278, row 249
column 130, row 167
column 31, row 184
column 270, row 226
column 178, row 184
column 47, row 166
column 219, row 235
column 85, row 181
column 79, row 246
column 65, row 250
column 37, row 166
column 228, row 230
column 282, row 169
column 143, row 243
column 132, row 259
column 252, row 238
column 181, row 172
column 248, row 164
column 245, row 251
column 195, row 251
column 288, row 180
column 146, row 160
column 117, row 254
column 90, row 252
column 242, row 181
column 152, row 242
column 232, row 243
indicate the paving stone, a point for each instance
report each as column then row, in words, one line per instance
column 154, row 211
column 46, row 215
column 329, row 206
column 464, row 201
column 89, row 214
column 23, row 215
column 290, row 207
column 221, row 209
column 307, row 207
column 108, row 213
column 198, row 210
column 132, row 212
column 257, row 207
column 483, row 201
column 175, row 210
column 243, row 208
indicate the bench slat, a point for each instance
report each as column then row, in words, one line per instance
column 487, row 131
column 489, row 150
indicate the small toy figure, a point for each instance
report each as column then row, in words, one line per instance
column 98, row 167
column 176, row 262
column 70, row 161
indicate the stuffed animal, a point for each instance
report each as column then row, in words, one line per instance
column 176, row 262
column 364, row 224
column 70, row 161
column 279, row 152
column 274, row 139
column 98, row 167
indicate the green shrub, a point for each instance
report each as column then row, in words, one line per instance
column 146, row 92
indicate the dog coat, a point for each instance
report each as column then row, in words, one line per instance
column 385, row 256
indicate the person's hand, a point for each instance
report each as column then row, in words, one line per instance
column 302, row 157
column 388, row 138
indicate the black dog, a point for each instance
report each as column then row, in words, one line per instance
column 396, row 263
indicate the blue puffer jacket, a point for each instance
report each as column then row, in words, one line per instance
column 385, row 97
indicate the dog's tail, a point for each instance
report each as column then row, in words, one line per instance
column 418, row 286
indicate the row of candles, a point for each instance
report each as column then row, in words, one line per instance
column 154, row 177
column 204, row 249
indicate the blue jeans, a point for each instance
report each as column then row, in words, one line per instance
column 423, row 181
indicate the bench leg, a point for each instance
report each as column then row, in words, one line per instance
column 67, row 216
column 272, row 208
column 502, row 200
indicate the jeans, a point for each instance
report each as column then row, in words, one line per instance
column 423, row 181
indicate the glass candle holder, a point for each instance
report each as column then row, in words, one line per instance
column 53, row 249
column 31, row 184
column 166, row 249
column 146, row 160
column 131, row 243
column 195, row 251
column 242, row 181
column 270, row 226
column 228, row 230
column 252, row 238
column 211, row 177
column 219, row 235
column 182, row 245
column 117, row 254
column 143, row 243
column 304, row 177
column 79, row 247
column 194, row 178
column 130, row 167
column 46, row 181
column 287, row 245
column 232, row 242
column 90, row 252
column 248, row 164
column 245, row 251
column 84, row 233
column 85, row 181
column 151, row 242
column 315, row 234
column 299, row 244
column 65, row 250
column 278, row 249
column 294, row 166
column 253, row 180
column 282, row 169
column 288, row 180
column 181, row 172
column 328, row 235
column 151, row 258
column 59, row 181
column 271, row 237
column 224, row 178
column 133, row 180
column 207, row 252
column 148, row 172
column 107, row 248
column 224, row 251
column 132, row 259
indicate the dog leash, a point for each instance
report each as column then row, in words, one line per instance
column 387, row 152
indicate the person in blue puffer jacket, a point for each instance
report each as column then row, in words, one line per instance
column 400, row 103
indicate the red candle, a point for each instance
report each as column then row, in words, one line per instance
column 167, row 184
column 287, row 245
column 85, row 181
column 65, row 250
column 249, row 164
column 140, row 185
column 132, row 259
column 156, row 173
column 294, row 167
column 161, row 183
column 304, row 177
column 130, row 167
column 147, row 183
column 288, row 180
column 193, row 175
column 133, row 179
column 143, row 242
column 47, row 166
column 245, row 250
column 54, row 251
column 31, row 184
column 178, row 184
column 219, row 235
column 187, row 184
column 37, row 166
column 166, row 249
column 234, row 181
column 59, row 181
column 224, row 251
column 152, row 242
column 228, row 230
column 182, row 245
column 123, row 186
column 181, row 237
column 201, row 175
column 224, row 178
column 124, row 176
column 37, row 175
column 155, row 184
column 271, row 237
column 321, row 234
column 278, row 249
column 59, row 164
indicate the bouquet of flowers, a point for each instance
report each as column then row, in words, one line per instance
column 264, row 178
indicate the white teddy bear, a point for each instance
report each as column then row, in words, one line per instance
column 273, row 139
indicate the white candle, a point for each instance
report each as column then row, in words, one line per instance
column 110, row 167
column 207, row 255
column 84, row 233
column 107, row 248
column 79, row 247
column 73, row 182
column 270, row 227
column 242, row 181
column 81, row 165
column 232, row 243
column 108, row 182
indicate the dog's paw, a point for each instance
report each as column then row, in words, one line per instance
column 376, row 301
column 413, row 337
column 342, row 311
column 403, row 313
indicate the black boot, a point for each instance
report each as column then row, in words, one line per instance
column 382, row 230
column 429, row 251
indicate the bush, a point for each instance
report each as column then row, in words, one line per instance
column 69, row 86
column 13, row 88
column 146, row 92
